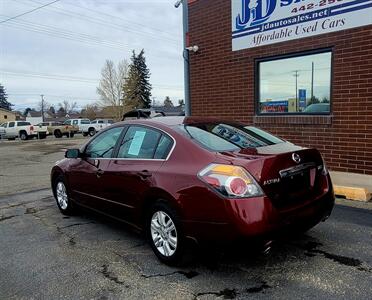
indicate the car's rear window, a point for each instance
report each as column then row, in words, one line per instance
column 221, row 137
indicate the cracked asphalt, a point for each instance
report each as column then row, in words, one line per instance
column 45, row 255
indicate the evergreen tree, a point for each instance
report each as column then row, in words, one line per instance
column 26, row 111
column 4, row 99
column 168, row 102
column 137, row 88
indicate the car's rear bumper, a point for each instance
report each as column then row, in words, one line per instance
column 258, row 218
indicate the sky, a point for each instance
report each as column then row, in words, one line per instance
column 59, row 50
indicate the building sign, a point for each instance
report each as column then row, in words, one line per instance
column 302, row 98
column 263, row 22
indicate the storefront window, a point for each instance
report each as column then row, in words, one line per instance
column 298, row 84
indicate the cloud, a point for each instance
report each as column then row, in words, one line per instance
column 74, row 38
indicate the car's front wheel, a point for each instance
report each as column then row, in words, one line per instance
column 165, row 234
column 61, row 195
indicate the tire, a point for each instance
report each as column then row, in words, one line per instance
column 85, row 133
column 11, row 139
column 60, row 193
column 42, row 136
column 58, row 134
column 71, row 135
column 168, row 246
column 92, row 131
column 23, row 136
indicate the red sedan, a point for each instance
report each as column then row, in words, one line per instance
column 187, row 178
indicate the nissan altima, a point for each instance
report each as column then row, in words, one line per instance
column 187, row 178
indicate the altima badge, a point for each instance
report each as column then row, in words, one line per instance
column 296, row 158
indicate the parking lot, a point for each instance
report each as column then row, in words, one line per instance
column 47, row 255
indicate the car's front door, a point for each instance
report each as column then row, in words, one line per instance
column 141, row 153
column 87, row 176
column 11, row 130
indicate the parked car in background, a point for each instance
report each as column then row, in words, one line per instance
column 318, row 108
column 77, row 122
column 58, row 129
column 95, row 126
column 23, row 130
column 182, row 179
column 142, row 114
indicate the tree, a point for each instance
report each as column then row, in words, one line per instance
column 181, row 102
column 90, row 111
column 325, row 100
column 67, row 107
column 61, row 112
column 168, row 102
column 111, row 85
column 313, row 100
column 52, row 110
column 4, row 99
column 137, row 88
column 25, row 113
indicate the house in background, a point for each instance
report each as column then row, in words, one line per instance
column 7, row 115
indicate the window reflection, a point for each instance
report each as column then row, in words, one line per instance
column 300, row 84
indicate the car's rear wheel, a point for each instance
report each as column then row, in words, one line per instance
column 61, row 195
column 71, row 135
column 92, row 131
column 165, row 234
column 23, row 136
column 85, row 133
column 58, row 134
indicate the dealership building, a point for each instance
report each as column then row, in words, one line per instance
column 299, row 69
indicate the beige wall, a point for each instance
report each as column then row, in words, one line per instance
column 6, row 116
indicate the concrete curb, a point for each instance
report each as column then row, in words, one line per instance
column 352, row 193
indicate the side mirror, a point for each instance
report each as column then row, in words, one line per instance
column 73, row 153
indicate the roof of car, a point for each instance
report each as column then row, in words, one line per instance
column 174, row 121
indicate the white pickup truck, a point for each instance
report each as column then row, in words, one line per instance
column 23, row 130
column 95, row 126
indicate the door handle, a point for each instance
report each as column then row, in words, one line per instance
column 99, row 173
column 144, row 174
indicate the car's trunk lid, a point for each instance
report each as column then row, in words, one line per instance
column 288, row 174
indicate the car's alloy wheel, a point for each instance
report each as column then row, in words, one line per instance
column 164, row 233
column 61, row 195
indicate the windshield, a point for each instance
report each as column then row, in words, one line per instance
column 221, row 137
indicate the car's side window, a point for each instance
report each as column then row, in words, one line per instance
column 75, row 122
column 68, row 122
column 139, row 143
column 11, row 124
column 103, row 145
column 100, row 122
column 164, row 146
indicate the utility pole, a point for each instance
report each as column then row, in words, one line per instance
column 42, row 107
column 296, row 75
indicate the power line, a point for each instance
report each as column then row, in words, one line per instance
column 73, row 36
column 103, row 22
column 28, row 12
column 73, row 78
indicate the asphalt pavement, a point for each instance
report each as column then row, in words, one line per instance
column 45, row 255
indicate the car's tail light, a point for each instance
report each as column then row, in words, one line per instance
column 32, row 128
column 230, row 181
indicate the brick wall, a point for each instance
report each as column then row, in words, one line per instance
column 222, row 85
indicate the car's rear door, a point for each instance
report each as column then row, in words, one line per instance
column 132, row 173
column 88, row 177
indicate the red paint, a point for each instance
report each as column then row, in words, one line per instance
column 124, row 189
